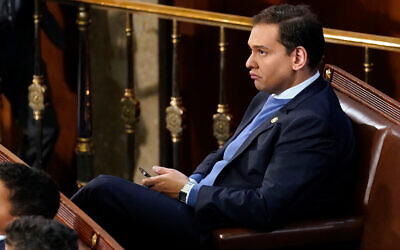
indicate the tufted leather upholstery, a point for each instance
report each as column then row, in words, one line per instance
column 374, row 212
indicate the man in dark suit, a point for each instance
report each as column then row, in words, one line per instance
column 290, row 158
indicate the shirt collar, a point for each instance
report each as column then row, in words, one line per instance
column 2, row 237
column 293, row 91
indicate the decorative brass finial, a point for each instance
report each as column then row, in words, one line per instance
column 36, row 96
column 130, row 110
column 84, row 145
column 174, row 35
column 222, row 44
column 93, row 241
column 221, row 124
column 328, row 74
column 367, row 62
column 368, row 67
column 83, row 18
column 174, row 118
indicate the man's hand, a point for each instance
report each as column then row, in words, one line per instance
column 169, row 181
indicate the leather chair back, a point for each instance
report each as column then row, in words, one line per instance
column 374, row 210
column 376, row 121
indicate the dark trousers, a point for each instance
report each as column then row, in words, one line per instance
column 136, row 216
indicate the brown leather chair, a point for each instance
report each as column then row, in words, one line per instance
column 374, row 212
column 91, row 235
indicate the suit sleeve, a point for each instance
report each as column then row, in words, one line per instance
column 302, row 161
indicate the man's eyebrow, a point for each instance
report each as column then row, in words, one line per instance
column 258, row 47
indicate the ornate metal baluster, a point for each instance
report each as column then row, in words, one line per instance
column 130, row 105
column 174, row 112
column 84, row 147
column 37, row 89
column 367, row 65
column 222, row 119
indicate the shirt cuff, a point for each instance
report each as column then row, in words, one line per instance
column 192, row 195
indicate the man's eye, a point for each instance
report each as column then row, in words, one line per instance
column 261, row 52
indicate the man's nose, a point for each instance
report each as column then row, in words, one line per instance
column 250, row 62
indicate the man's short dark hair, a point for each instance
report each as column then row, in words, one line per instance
column 39, row 233
column 298, row 26
column 32, row 191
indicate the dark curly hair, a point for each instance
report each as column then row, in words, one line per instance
column 298, row 26
column 39, row 233
column 32, row 191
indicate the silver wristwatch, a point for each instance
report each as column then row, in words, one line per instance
column 184, row 191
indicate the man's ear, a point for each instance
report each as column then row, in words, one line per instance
column 300, row 56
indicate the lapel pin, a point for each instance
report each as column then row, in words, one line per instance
column 275, row 119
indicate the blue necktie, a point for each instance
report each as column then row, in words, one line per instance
column 270, row 107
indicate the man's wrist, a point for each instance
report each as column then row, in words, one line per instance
column 183, row 194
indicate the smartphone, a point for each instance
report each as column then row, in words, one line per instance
column 144, row 172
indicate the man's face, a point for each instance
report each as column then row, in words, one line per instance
column 5, row 208
column 270, row 65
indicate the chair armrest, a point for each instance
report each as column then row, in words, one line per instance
column 91, row 235
column 293, row 234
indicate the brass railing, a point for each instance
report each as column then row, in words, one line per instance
column 240, row 22
column 175, row 112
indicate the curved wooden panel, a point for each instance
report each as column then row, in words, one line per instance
column 91, row 235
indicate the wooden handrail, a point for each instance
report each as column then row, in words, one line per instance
column 240, row 22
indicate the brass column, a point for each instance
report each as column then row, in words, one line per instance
column 37, row 89
column 84, row 147
column 367, row 65
column 174, row 112
column 130, row 105
column 222, row 119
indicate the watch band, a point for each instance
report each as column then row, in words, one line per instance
column 185, row 190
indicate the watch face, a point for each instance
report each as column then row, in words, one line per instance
column 182, row 197
column 185, row 190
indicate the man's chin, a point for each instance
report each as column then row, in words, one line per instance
column 258, row 86
column 261, row 87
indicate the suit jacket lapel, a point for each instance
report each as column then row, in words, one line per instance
column 267, row 124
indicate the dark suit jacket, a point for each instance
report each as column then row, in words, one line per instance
column 296, row 167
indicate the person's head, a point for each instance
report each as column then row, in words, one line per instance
column 26, row 191
column 39, row 233
column 287, row 45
